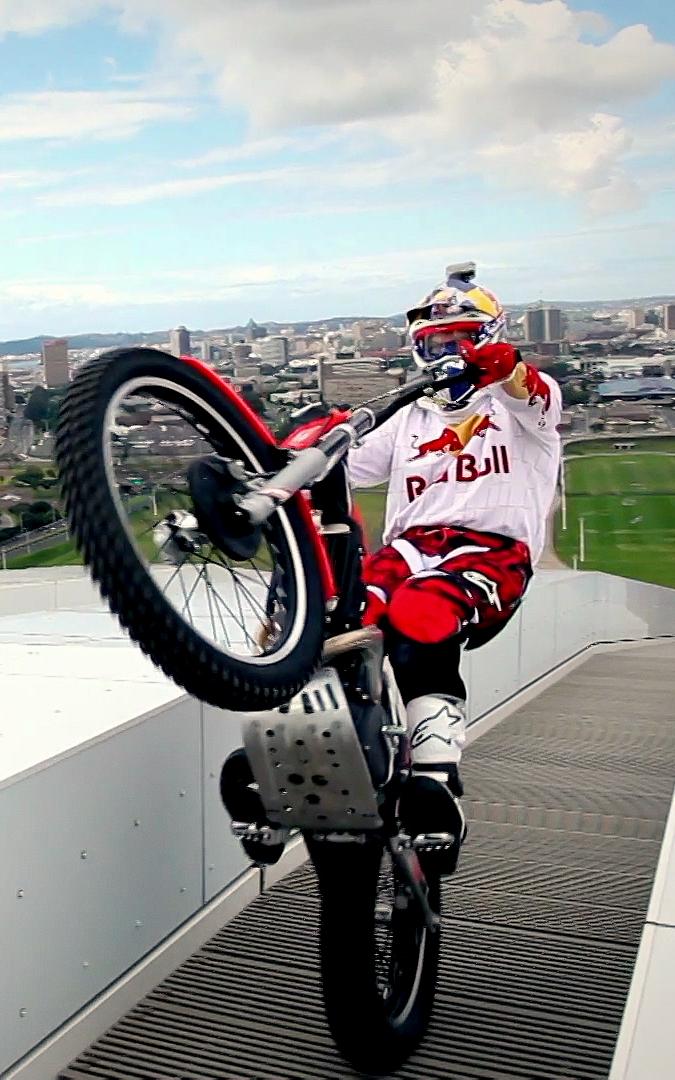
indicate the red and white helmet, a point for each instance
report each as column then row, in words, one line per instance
column 458, row 305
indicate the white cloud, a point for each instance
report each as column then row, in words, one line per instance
column 261, row 148
column 309, row 61
column 530, row 104
column 44, row 295
column 36, row 16
column 532, row 92
column 369, row 175
column 582, row 161
column 26, row 179
column 527, row 93
column 59, row 237
column 529, row 71
column 82, row 114
column 165, row 189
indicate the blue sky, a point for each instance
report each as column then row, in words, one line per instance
column 204, row 161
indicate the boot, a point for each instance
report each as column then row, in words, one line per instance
column 430, row 798
column 240, row 798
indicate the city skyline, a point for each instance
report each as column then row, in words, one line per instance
column 658, row 302
column 334, row 161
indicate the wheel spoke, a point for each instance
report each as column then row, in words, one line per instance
column 236, row 593
column 211, row 589
column 176, row 571
column 186, row 605
column 222, row 621
column 253, row 600
column 213, row 622
column 220, row 601
column 242, row 598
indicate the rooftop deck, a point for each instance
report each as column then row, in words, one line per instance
column 567, row 801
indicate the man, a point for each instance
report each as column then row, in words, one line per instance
column 471, row 475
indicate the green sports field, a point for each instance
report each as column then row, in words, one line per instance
column 627, row 502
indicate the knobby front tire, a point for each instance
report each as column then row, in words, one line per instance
column 192, row 650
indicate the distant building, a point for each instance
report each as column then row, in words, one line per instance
column 246, row 362
column 273, row 349
column 3, row 401
column 205, row 351
column 620, row 411
column 352, row 379
column 7, row 398
column 552, row 349
column 55, row 362
column 363, row 329
column 180, row 341
column 655, row 389
column 635, row 317
column 391, row 340
column 553, row 324
column 247, row 372
column 543, row 324
column 252, row 331
column 240, row 354
column 533, row 324
column 669, row 317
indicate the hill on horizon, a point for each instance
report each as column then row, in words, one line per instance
column 24, row 346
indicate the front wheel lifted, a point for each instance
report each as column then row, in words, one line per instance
column 379, row 959
column 149, row 448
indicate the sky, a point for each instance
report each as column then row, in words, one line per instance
column 207, row 161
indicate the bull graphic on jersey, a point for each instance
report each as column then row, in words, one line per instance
column 452, row 440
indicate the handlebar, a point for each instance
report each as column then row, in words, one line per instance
column 315, row 462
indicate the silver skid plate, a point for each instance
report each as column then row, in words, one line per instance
column 308, row 762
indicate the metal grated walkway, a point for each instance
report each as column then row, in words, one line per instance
column 567, row 800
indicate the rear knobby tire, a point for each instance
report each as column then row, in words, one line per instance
column 375, row 1033
column 96, row 523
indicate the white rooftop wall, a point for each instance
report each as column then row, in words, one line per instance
column 113, row 832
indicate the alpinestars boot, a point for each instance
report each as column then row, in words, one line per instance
column 429, row 806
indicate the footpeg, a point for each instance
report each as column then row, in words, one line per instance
column 442, row 841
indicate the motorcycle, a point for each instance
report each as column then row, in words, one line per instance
column 234, row 563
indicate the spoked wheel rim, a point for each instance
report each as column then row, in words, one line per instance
column 400, row 943
column 252, row 610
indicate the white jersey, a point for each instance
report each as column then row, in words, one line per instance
column 495, row 470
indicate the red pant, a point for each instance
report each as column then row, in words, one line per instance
column 435, row 582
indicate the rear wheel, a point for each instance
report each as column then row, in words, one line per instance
column 144, row 443
column 378, row 958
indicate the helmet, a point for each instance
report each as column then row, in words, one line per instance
column 457, row 305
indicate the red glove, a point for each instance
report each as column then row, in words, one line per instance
column 495, row 363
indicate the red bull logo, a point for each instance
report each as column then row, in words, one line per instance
column 484, row 425
column 452, row 440
column 448, row 442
